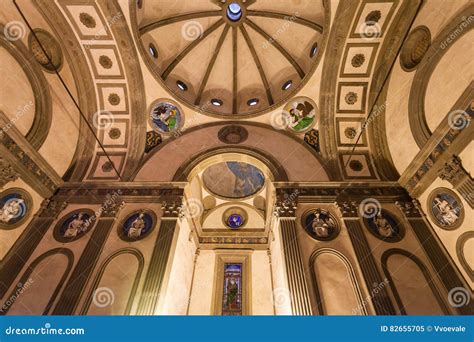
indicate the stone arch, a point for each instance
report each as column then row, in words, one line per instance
column 424, row 272
column 198, row 141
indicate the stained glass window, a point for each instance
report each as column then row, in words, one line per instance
column 235, row 221
column 232, row 294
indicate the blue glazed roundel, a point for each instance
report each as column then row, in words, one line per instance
column 235, row 221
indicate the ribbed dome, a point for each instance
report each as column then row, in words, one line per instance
column 231, row 57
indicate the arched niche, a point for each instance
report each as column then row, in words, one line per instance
column 288, row 157
column 41, row 283
column 38, row 124
column 115, row 284
column 441, row 45
column 464, row 250
column 336, row 288
column 412, row 284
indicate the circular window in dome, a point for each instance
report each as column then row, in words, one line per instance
column 153, row 51
column 259, row 27
column 234, row 217
column 217, row 102
column 287, row 85
column 181, row 85
column 234, row 12
column 252, row 102
column 233, row 180
column 314, row 50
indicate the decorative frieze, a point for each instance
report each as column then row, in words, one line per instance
column 233, row 240
column 348, row 209
column 51, row 208
column 128, row 192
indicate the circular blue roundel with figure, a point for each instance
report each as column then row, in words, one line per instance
column 14, row 207
column 235, row 221
column 137, row 225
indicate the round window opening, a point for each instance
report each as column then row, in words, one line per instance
column 234, row 12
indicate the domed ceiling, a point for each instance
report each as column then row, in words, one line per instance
column 231, row 57
column 233, row 180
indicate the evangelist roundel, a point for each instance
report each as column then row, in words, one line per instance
column 165, row 116
column 445, row 209
column 137, row 225
column 74, row 225
column 384, row 226
column 320, row 224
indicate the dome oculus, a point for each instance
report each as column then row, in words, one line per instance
column 234, row 12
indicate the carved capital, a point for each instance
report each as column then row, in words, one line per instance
column 453, row 171
column 348, row 208
column 51, row 208
column 111, row 209
column 410, row 208
column 286, row 203
column 173, row 208
column 7, row 172
column 285, row 208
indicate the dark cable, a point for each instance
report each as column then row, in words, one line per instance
column 66, row 88
column 364, row 125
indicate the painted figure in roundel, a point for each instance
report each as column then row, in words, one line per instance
column 79, row 224
column 136, row 227
column 233, row 179
column 14, row 208
column 11, row 210
column 301, row 115
column 165, row 117
column 384, row 228
column 235, row 221
column 320, row 225
column 445, row 209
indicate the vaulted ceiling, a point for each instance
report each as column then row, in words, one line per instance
column 232, row 70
